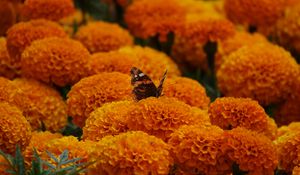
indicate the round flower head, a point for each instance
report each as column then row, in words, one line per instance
column 103, row 37
column 131, row 153
column 14, row 128
column 198, row 150
column 8, row 14
column 251, row 151
column 112, row 61
column 92, row 92
column 263, row 72
column 110, row 119
column 13, row 95
column 187, row 90
column 199, row 29
column 289, row 110
column 231, row 44
column 6, row 70
column 38, row 142
column 47, row 101
column 254, row 12
column 152, row 62
column 147, row 19
column 55, row 60
column 21, row 35
column 162, row 116
column 288, row 150
column 48, row 9
column 229, row 113
column 272, row 129
column 287, row 28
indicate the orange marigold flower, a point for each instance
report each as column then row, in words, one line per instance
column 112, row 61
column 198, row 150
column 131, row 153
column 147, row 19
column 69, row 21
column 231, row 44
column 48, row 9
column 289, row 111
column 263, row 72
column 152, row 62
column 21, row 35
column 200, row 29
column 229, row 113
column 47, row 101
column 13, row 95
column 287, row 28
column 38, row 142
column 296, row 170
column 187, row 90
column 251, row 151
column 8, row 14
column 272, row 129
column 288, row 150
column 162, row 116
column 108, row 119
column 254, row 12
column 55, row 60
column 14, row 128
column 103, row 36
column 92, row 92
column 6, row 69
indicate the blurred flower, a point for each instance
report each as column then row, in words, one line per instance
column 251, row 151
column 6, row 69
column 94, row 91
column 199, row 29
column 47, row 101
column 48, row 9
column 288, row 151
column 152, row 62
column 232, row 44
column 103, row 36
column 8, row 18
column 162, row 116
column 263, row 72
column 254, row 12
column 288, row 111
column 21, row 35
column 13, row 95
column 55, row 60
column 287, row 28
column 187, row 90
column 198, row 150
column 107, row 120
column 131, row 153
column 69, row 22
column 147, row 19
column 38, row 142
column 14, row 128
column 229, row 113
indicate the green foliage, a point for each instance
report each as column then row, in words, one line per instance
column 60, row 165
column 72, row 129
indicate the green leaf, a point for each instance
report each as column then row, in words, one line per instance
column 52, row 156
column 71, row 161
column 63, row 157
column 20, row 161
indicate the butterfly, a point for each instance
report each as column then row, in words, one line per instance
column 144, row 86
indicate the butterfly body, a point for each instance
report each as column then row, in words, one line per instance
column 144, row 86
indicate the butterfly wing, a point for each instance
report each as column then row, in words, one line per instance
column 143, row 86
column 160, row 86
